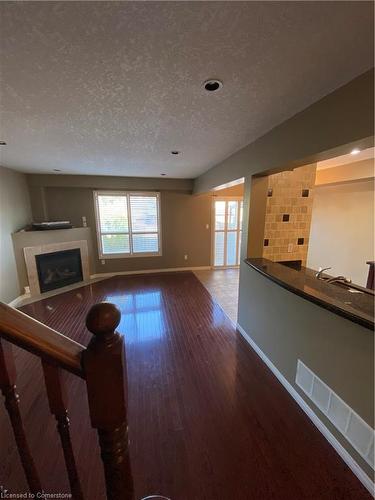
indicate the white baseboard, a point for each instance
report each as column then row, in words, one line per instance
column 150, row 271
column 342, row 452
column 18, row 300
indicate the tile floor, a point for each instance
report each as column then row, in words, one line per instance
column 223, row 286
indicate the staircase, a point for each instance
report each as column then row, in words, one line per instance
column 103, row 367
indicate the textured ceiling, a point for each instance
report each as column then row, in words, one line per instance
column 111, row 88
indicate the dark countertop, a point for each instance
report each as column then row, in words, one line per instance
column 357, row 307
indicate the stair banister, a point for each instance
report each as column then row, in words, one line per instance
column 102, row 365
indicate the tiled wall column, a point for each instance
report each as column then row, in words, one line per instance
column 288, row 214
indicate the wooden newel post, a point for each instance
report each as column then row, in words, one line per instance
column 104, row 363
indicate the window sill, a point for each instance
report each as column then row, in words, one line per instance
column 108, row 256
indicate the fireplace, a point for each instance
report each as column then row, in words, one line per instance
column 57, row 269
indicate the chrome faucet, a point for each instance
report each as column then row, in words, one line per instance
column 319, row 276
column 339, row 278
column 333, row 279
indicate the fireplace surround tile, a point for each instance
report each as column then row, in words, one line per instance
column 31, row 252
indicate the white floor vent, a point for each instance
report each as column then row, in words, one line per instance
column 359, row 434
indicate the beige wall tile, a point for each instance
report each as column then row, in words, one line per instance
column 287, row 199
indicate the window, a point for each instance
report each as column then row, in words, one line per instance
column 128, row 224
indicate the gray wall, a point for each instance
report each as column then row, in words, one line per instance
column 184, row 216
column 15, row 213
column 342, row 117
column 283, row 325
column 287, row 328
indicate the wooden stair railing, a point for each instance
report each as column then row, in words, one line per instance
column 102, row 365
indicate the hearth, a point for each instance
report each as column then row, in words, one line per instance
column 58, row 269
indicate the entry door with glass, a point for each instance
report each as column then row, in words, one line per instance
column 227, row 232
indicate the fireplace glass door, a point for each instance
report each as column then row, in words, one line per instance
column 58, row 269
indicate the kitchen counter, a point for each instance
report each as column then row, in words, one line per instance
column 356, row 307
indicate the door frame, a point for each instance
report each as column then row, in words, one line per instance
column 223, row 198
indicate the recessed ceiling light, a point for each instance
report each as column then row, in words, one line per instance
column 3, row 143
column 175, row 152
column 355, row 151
column 212, row 85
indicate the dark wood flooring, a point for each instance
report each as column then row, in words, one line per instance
column 208, row 420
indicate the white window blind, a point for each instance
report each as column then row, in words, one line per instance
column 128, row 224
column 227, row 232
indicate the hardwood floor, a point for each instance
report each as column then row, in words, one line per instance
column 208, row 420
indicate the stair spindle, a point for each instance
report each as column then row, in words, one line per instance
column 8, row 376
column 57, row 400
